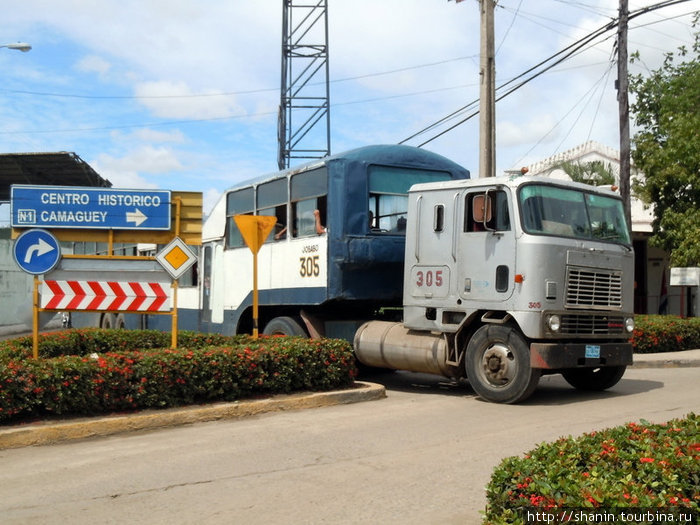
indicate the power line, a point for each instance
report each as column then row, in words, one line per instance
column 564, row 54
column 558, row 123
column 512, row 21
column 229, row 93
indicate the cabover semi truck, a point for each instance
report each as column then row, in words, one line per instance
column 498, row 280
column 506, row 279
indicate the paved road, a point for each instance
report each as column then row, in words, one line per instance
column 422, row 455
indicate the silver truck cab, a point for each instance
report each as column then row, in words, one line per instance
column 507, row 278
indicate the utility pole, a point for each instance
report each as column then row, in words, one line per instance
column 624, row 111
column 487, row 94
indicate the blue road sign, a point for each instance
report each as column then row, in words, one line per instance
column 37, row 251
column 94, row 208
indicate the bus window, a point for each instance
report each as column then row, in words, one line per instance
column 237, row 203
column 272, row 201
column 388, row 195
column 308, row 192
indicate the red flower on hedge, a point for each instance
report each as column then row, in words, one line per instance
column 536, row 500
column 646, row 460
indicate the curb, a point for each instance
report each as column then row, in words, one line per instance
column 667, row 363
column 681, row 359
column 45, row 433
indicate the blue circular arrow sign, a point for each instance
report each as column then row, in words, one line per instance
column 37, row 251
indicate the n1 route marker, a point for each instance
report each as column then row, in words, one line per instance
column 90, row 208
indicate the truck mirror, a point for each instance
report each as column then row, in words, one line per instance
column 481, row 207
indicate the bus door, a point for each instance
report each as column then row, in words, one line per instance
column 212, row 299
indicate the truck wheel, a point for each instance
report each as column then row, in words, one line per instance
column 120, row 322
column 284, row 326
column 594, row 378
column 497, row 363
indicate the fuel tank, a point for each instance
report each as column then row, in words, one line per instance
column 390, row 345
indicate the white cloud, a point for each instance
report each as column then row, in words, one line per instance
column 176, row 100
column 171, row 50
column 131, row 170
column 209, row 198
column 93, row 64
column 145, row 135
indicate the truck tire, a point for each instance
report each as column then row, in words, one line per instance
column 594, row 379
column 120, row 322
column 284, row 326
column 497, row 363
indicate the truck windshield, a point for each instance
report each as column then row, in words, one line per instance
column 551, row 210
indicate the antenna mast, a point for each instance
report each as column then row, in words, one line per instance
column 303, row 125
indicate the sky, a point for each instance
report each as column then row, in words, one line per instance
column 183, row 94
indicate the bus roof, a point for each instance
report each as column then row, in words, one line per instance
column 394, row 154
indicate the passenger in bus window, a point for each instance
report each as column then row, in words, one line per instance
column 320, row 229
column 281, row 234
column 401, row 224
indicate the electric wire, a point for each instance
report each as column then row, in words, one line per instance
column 231, row 93
column 445, row 119
column 600, row 101
column 564, row 54
column 512, row 21
column 592, row 91
column 555, row 126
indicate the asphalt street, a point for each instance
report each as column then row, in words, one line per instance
column 422, row 454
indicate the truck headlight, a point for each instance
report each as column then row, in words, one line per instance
column 629, row 324
column 554, row 323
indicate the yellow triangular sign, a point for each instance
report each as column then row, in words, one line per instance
column 255, row 229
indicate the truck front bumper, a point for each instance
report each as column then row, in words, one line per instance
column 553, row 356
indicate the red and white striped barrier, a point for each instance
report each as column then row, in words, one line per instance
column 105, row 296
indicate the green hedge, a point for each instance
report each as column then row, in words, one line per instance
column 665, row 333
column 97, row 371
column 642, row 466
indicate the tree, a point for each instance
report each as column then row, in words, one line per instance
column 595, row 173
column 667, row 151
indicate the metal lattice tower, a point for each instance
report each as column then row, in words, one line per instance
column 303, row 125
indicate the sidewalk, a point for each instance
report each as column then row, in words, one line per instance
column 46, row 432
column 686, row 358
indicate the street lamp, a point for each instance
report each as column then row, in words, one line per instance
column 20, row 46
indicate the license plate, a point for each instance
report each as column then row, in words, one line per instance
column 592, row 351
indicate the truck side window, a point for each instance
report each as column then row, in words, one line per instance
column 493, row 207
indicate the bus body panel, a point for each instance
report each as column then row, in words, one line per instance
column 350, row 270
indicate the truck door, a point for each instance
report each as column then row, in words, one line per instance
column 486, row 248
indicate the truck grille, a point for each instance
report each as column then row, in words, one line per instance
column 573, row 324
column 586, row 288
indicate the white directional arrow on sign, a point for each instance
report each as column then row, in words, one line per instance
column 137, row 217
column 40, row 248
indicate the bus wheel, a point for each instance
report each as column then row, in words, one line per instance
column 594, row 378
column 120, row 322
column 497, row 363
column 284, row 326
column 107, row 321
